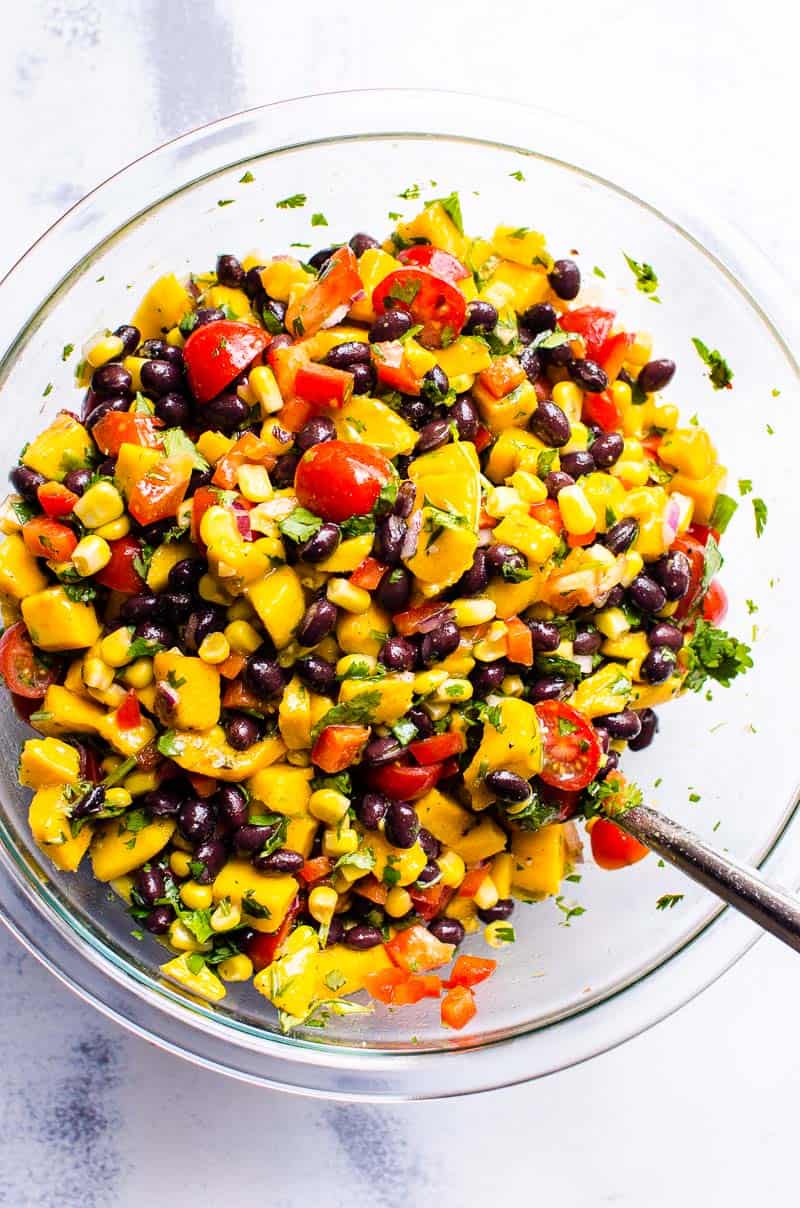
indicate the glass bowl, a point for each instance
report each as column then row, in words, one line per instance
column 573, row 984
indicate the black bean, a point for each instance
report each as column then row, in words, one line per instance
column 322, row 544
column 318, row 621
column 474, row 580
column 130, row 337
column 555, row 482
column 500, row 556
column 487, row 677
column 149, row 884
column 429, row 874
column 391, row 326
column 77, row 480
column 621, row 536
column 550, row 424
column 186, row 574
column 283, row 860
column 481, row 318
column 345, row 356
column 252, row 285
column 394, row 590
column 164, row 801
column 120, row 403
column 440, row 642
column 160, row 350
column 364, row 379
column 224, row 413
column 207, row 314
column 435, row 385
column 274, row 314
column 381, row 751
column 398, row 654
column 262, row 675
column 615, row 597
column 656, row 375
column 317, row 673
column 539, row 318
column 371, row 810
column 577, row 463
column 559, row 357
column 173, row 409
column 429, row 843
column 464, row 415
column 241, row 731
column 546, row 636
column 251, row 838
column 548, row 687
column 159, row 377
column 587, row 641
column 321, row 258
column 447, row 931
column 212, row 855
column 361, row 242
column 112, row 377
column 611, row 764
column 406, row 497
column 648, row 731
column 26, row 482
column 401, row 824
column 502, row 910
column 229, row 271
column 607, row 449
column 155, row 633
column 159, row 919
column 624, row 725
column 335, row 932
column 674, row 574
column 196, row 820
column 390, row 533
column 602, row 736
column 176, row 605
column 231, row 806
column 565, row 279
column 362, row 936
column 433, row 436
column 283, row 470
column 647, row 594
column 665, row 634
column 531, row 362
column 658, row 666
column 588, row 375
column 90, row 803
column 508, row 786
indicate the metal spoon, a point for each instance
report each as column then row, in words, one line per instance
column 773, row 908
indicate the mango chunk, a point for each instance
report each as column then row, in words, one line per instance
column 198, row 688
column 162, row 307
column 535, row 540
column 165, row 557
column 20, row 573
column 368, row 421
column 512, row 411
column 393, row 695
column 264, row 897
column 47, row 761
column 280, row 603
column 514, row 744
column 117, row 850
column 57, row 623
column 540, row 861
column 204, row 983
column 65, row 445
column 133, row 463
column 67, row 713
column 434, row 225
column 281, row 789
column 337, row 962
column 507, row 452
column 209, row 754
column 48, row 815
column 404, row 864
column 128, row 740
column 349, row 554
column 473, row 839
column 607, row 691
column 365, row 632
column 68, row 855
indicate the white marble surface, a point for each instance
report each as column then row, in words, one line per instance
column 699, row 1110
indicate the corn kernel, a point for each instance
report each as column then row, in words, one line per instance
column 237, row 968
column 138, row 674
column 344, row 594
column 196, row 897
column 114, row 530
column 103, row 350
column 179, row 863
column 612, row 623
column 576, row 511
column 227, row 915
column 183, row 516
column 633, row 566
column 140, row 782
column 502, row 500
column 512, row 685
column 499, row 934
column 214, row 648
column 452, row 691
column 101, row 504
column 486, row 894
column 97, row 674
column 641, row 350
column 621, row 394
column 179, row 936
column 328, row 806
column 209, row 589
column 473, row 612
column 90, row 555
column 322, row 903
column 398, row 902
column 254, row 483
column 265, row 390
column 493, row 645
column 174, row 337
column 340, row 842
column 530, row 488
column 426, row 682
column 242, row 637
column 114, row 648
column 569, row 398
column 118, row 798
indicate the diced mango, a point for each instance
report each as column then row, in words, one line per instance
column 319, row 345
column 67, row 713
column 280, row 603
column 471, row 838
column 162, row 307
column 507, row 452
column 514, row 744
column 405, row 863
column 703, row 491
column 349, row 554
column 443, row 554
column 133, row 463
column 268, row 895
column 521, row 245
column 627, row 646
column 65, row 445
column 647, row 696
column 689, row 450
column 435, row 225
column 281, row 274
column 337, row 962
column 294, row 715
column 203, row 984
column 364, row 632
column 117, row 850
column 48, row 815
column 540, row 861
column 394, row 695
column 606, row 495
column 513, row 598
column 373, row 265
column 368, row 421
column 300, row 835
column 209, row 754
column 20, row 573
column 68, row 855
column 607, row 691
column 466, row 355
column 128, row 740
column 57, row 623
column 234, row 301
column 535, row 540
column 48, row 761
column 528, row 285
column 290, row 982
column 198, row 688
column 512, row 411
column 282, row 789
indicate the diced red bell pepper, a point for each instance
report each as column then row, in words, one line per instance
column 285, row 360
column 470, row 971
column 381, row 984
column 323, row 386
column 118, row 428
column 430, row 902
column 295, row 414
column 46, row 538
column 402, row 781
column 129, row 714
column 160, row 493
column 473, row 880
column 248, row 448
column 548, row 513
column 415, row 619
column 416, row 987
column 579, row 540
column 612, row 848
column 416, row 949
column 373, row 889
column 458, row 1008
column 316, row 869
column 482, row 438
column 56, row 499
column 338, row 747
column 601, row 409
column 503, row 375
column 218, row 352
column 368, row 574
column 613, row 353
column 120, row 573
column 392, row 367
column 438, row 748
column 329, row 298
column 592, row 324
column 519, row 642
column 262, row 946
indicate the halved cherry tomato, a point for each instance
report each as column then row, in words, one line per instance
column 415, row 619
column 430, row 902
column 437, row 305
column 473, row 881
column 120, row 573
column 129, row 714
column 330, row 298
column 392, row 367
column 611, row 356
column 262, row 946
column 368, row 574
column 46, row 538
column 519, row 642
column 338, row 747
column 441, row 264
column 601, row 409
column 437, row 748
column 651, row 444
column 458, row 1007
column 571, row 748
column 548, row 513
column 316, row 869
column 339, row 479
column 416, row 987
column 56, row 499
column 416, row 949
column 323, row 386
column 695, row 551
column 402, row 781
column 160, row 493
column 702, row 532
column 592, row 324
column 612, row 847
column 118, row 428
column 715, row 605
column 25, row 672
column 218, row 352
column 470, row 971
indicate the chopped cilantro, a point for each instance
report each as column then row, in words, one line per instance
column 645, row 274
column 745, row 486
column 319, row 220
column 760, row 513
column 720, row 373
column 668, row 900
column 357, row 526
column 81, row 593
column 404, row 731
column 247, row 179
column 292, row 203
column 751, row 607
column 775, row 392
column 518, row 175
column 569, row 912
column 356, row 712
column 142, row 648
column 168, row 744
column 598, row 272
column 452, row 208
column 47, row 390
column 410, row 194
column 177, row 442
column 300, row 525
column 554, row 664
column 225, row 201
column 67, row 351
column 714, row 654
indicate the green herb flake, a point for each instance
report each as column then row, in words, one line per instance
column 335, row 980
column 694, row 798
column 518, row 175
column 598, row 272
column 751, row 607
column 745, row 486
column 645, row 274
column 356, row 712
column 295, row 202
column 247, row 179
column 226, row 201
column 775, row 392
column 47, row 390
column 715, row 654
column 318, row 220
column 760, row 512
column 668, row 900
column 300, row 525
column 67, row 351
column 452, row 208
column 724, row 510
column 770, row 430
column 569, row 912
column 720, row 373
column 176, row 442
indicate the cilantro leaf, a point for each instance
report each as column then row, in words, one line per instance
column 645, row 274
column 452, row 208
column 356, row 712
column 356, row 526
column 668, row 900
column 760, row 511
column 722, row 515
column 554, row 664
column 292, row 203
column 300, row 525
column 715, row 654
column 720, row 373
column 81, row 593
column 745, row 486
column 319, row 220
column 177, row 442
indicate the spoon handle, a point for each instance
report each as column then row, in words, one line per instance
column 772, row 907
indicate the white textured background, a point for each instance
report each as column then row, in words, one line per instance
column 702, row 1109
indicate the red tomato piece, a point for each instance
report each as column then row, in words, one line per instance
column 601, row 409
column 415, row 620
column 294, row 414
column 368, row 574
column 612, row 848
column 473, row 880
column 330, row 298
column 483, row 438
column 323, row 386
column 715, row 605
column 430, row 902
column 160, row 493
column 695, row 551
column 470, row 971
column 120, row 574
column 592, row 324
column 370, row 887
column 218, row 352
column 503, row 375
column 392, row 367
column 118, row 428
column 382, row 983
column 702, row 532
column 579, row 540
column 25, row 672
column 416, row 987
column 571, row 748
column 338, row 747
column 339, row 479
column 402, row 781
column 285, row 360
column 417, row 950
column 547, row 513
column 263, row 946
column 46, row 538
column 56, row 500
column 441, row 264
column 316, row 869
column 458, row 1007
column 437, row 748
column 519, row 642
column 438, row 306
column 611, row 356
column 129, row 715
column 204, row 786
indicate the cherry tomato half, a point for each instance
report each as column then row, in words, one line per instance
column 571, row 747
column 437, row 748
column 696, row 553
column 402, row 781
column 217, row 352
column 338, row 479
column 24, row 671
column 441, row 264
column 118, row 428
column 612, row 847
column 436, row 304
column 715, row 605
column 329, row 298
column 592, row 324
column 120, row 574
column 601, row 409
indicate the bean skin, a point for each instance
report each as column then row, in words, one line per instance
column 588, row 375
column 607, row 450
column 320, row 618
column 649, row 721
column 664, row 634
column 550, row 424
column 656, row 375
column 621, row 536
column 565, row 280
column 658, row 666
column 508, row 786
column 447, row 931
column 647, row 594
column 481, row 318
column 624, row 725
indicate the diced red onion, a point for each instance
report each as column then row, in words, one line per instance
column 411, row 539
